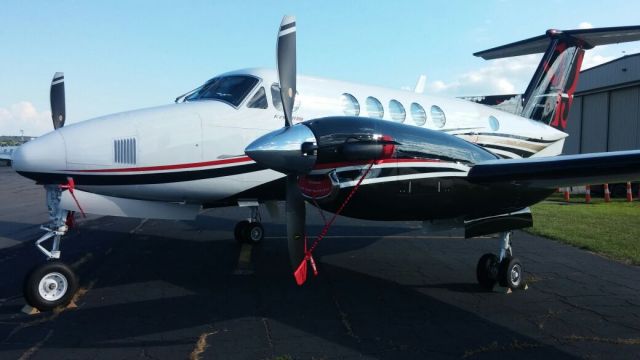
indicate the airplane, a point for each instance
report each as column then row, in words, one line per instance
column 253, row 136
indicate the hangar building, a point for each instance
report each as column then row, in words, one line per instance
column 605, row 115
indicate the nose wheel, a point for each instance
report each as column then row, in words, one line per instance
column 505, row 269
column 248, row 232
column 50, row 285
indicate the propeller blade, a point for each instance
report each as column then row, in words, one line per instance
column 286, row 53
column 56, row 96
column 296, row 216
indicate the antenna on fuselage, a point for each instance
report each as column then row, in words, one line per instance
column 422, row 81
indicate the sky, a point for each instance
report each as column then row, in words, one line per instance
column 120, row 55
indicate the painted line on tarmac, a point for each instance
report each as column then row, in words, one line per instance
column 244, row 261
column 201, row 345
column 34, row 349
column 139, row 226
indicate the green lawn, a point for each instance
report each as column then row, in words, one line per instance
column 611, row 229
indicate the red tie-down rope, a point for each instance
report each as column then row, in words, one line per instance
column 71, row 185
column 301, row 272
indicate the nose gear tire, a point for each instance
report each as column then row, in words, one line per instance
column 50, row 285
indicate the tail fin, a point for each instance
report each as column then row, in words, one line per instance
column 549, row 95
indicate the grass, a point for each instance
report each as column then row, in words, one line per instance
column 611, row 229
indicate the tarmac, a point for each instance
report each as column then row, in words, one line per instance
column 385, row 290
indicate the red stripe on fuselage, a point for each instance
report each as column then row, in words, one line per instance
column 169, row 167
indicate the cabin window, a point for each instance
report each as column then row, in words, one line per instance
column 259, row 100
column 350, row 105
column 277, row 101
column 494, row 123
column 229, row 89
column 397, row 112
column 437, row 116
column 374, row 108
column 418, row 114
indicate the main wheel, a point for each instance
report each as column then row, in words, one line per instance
column 239, row 230
column 254, row 233
column 511, row 273
column 50, row 285
column 487, row 271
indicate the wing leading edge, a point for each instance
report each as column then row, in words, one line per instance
column 558, row 171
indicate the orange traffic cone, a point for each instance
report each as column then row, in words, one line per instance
column 587, row 194
column 629, row 192
column 607, row 194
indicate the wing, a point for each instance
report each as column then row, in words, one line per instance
column 558, row 171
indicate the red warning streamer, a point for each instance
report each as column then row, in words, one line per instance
column 301, row 272
column 71, row 185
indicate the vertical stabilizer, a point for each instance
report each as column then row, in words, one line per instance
column 549, row 95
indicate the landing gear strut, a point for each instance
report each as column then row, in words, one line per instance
column 250, row 230
column 52, row 283
column 503, row 269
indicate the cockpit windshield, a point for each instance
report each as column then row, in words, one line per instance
column 231, row 89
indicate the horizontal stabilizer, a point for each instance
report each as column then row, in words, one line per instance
column 114, row 206
column 558, row 171
column 539, row 44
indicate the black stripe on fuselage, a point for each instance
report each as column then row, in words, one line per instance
column 510, row 136
column 140, row 179
column 425, row 170
column 519, row 152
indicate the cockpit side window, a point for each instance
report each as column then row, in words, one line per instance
column 277, row 102
column 230, row 89
column 259, row 100
column 275, row 96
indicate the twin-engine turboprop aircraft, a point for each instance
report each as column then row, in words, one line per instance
column 362, row 151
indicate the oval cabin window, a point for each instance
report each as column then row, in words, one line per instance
column 374, row 108
column 396, row 110
column 437, row 116
column 350, row 105
column 418, row 114
column 494, row 123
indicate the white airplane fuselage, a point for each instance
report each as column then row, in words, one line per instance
column 193, row 151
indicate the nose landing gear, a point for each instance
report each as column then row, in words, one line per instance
column 52, row 283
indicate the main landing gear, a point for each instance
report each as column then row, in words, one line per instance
column 250, row 230
column 52, row 283
column 503, row 269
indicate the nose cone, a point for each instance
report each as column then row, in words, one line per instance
column 44, row 154
column 290, row 150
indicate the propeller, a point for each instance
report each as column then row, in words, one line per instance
column 295, row 207
column 56, row 96
column 286, row 53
